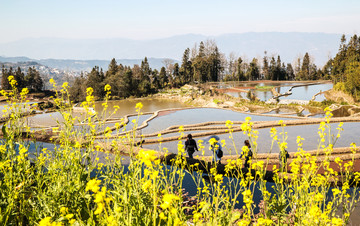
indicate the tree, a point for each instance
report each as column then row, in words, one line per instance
column 273, row 69
column 5, row 78
column 144, row 82
column 290, row 72
column 95, row 80
column 155, row 80
column 33, row 80
column 200, row 65
column 20, row 78
column 308, row 70
column 163, row 78
column 113, row 68
column 78, row 89
column 169, row 66
column 345, row 67
column 240, row 75
column 266, row 67
column 352, row 83
column 176, row 76
column 216, row 66
column 253, row 73
column 186, row 67
column 145, row 68
column 126, row 87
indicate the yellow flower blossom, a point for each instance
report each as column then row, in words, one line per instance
column 69, row 216
column 147, row 157
column 168, row 199
column 265, row 222
column 99, row 209
column 139, row 106
column 218, row 178
column 93, row 185
column 162, row 216
column 196, row 217
column 146, row 185
column 45, row 221
column 64, row 210
column 107, row 88
column 337, row 221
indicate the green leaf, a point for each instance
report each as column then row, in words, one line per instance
column 3, row 129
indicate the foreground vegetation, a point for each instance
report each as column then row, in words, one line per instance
column 69, row 186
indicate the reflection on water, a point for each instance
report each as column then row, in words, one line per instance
column 306, row 92
column 199, row 115
column 128, row 106
column 36, row 147
column 308, row 132
column 298, row 93
column 50, row 119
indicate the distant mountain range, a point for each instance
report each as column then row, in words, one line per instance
column 83, row 65
column 289, row 45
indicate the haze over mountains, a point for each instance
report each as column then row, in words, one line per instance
column 289, row 46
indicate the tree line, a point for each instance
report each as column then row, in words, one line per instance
column 205, row 63
column 31, row 80
column 344, row 68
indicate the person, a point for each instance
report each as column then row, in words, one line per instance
column 190, row 146
column 283, row 157
column 247, row 154
column 216, row 148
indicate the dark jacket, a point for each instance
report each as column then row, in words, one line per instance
column 190, row 145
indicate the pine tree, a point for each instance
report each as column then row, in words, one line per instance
column 266, row 67
column 33, row 80
column 4, row 79
column 127, row 86
column 215, row 64
column 113, row 68
column 253, row 73
column 290, row 72
column 20, row 78
column 78, row 89
column 186, row 67
column 95, row 80
column 176, row 76
column 240, row 75
column 200, row 65
column 163, row 78
column 345, row 67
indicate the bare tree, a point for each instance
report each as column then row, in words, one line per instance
column 169, row 66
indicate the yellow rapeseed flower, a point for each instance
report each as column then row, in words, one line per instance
column 337, row 221
column 63, row 210
column 262, row 221
column 196, row 217
column 69, row 216
column 168, row 200
column 99, row 209
column 218, row 177
column 139, row 106
column 107, row 87
column 162, row 216
column 93, row 185
column 146, row 185
column 45, row 221
column 147, row 157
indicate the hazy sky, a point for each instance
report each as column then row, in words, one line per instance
column 148, row 19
